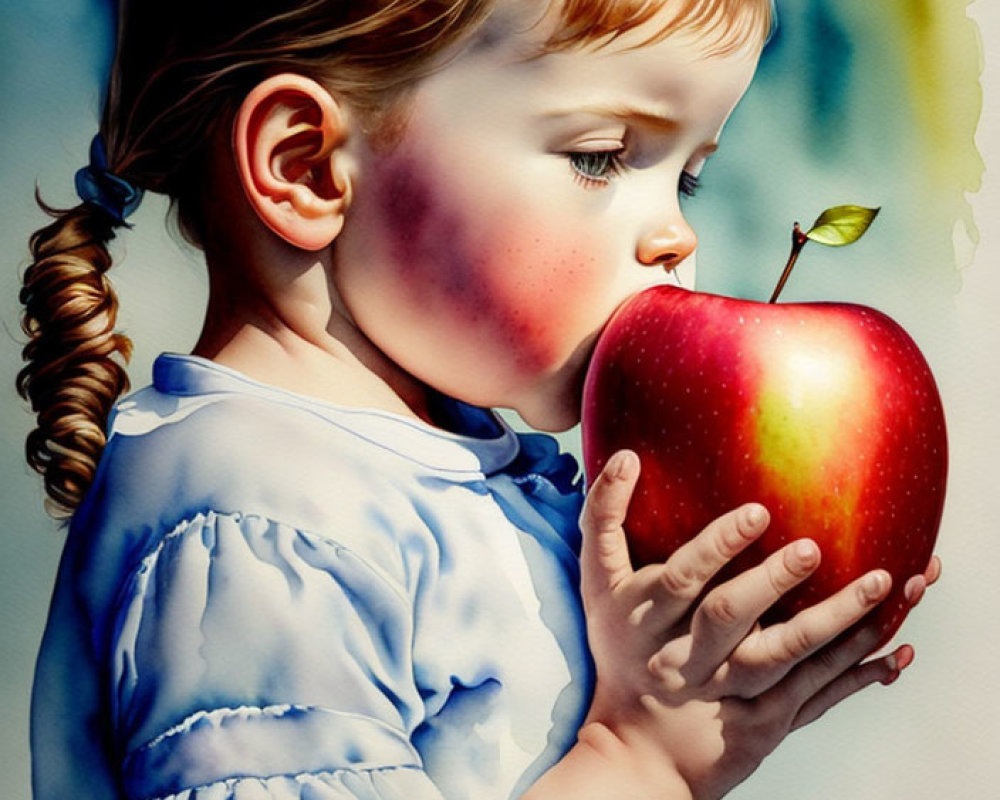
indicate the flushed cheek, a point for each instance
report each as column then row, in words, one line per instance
column 519, row 284
column 547, row 295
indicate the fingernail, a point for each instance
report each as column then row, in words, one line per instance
column 904, row 657
column 806, row 552
column 874, row 586
column 621, row 465
column 756, row 515
column 897, row 662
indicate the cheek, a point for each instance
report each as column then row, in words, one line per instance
column 490, row 269
column 545, row 292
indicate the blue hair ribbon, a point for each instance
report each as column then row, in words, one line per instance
column 100, row 187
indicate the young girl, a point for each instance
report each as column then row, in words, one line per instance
column 307, row 562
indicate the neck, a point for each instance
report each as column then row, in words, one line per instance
column 284, row 324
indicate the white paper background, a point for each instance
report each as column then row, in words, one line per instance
column 935, row 734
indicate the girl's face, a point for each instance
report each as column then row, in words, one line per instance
column 523, row 202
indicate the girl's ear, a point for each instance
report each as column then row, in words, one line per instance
column 288, row 139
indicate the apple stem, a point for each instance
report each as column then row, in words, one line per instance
column 799, row 240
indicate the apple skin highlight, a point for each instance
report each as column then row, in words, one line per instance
column 825, row 413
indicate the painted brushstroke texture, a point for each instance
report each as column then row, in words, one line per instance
column 883, row 114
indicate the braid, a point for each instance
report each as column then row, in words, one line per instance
column 180, row 70
column 74, row 370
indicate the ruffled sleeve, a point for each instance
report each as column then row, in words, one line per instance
column 255, row 660
column 382, row 784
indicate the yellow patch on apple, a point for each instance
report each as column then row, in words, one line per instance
column 815, row 413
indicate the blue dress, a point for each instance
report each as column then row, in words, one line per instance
column 267, row 596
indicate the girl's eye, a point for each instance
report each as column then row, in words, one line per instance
column 596, row 168
column 688, row 184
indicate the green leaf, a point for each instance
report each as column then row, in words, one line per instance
column 841, row 225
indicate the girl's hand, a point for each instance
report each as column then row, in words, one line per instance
column 698, row 689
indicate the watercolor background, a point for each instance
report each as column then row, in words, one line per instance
column 856, row 101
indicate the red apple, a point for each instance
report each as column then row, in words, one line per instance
column 826, row 413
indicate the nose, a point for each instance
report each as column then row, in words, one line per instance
column 666, row 243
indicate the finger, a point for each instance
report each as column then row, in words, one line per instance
column 683, row 576
column 729, row 611
column 885, row 670
column 914, row 589
column 812, row 676
column 764, row 658
column 915, row 586
column 933, row 571
column 604, row 558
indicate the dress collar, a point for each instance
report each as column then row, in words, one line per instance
column 483, row 442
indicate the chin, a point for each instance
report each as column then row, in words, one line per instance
column 549, row 422
column 555, row 411
column 555, row 404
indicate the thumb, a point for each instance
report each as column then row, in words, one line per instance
column 604, row 559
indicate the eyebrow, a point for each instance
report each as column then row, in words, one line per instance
column 654, row 118
column 658, row 119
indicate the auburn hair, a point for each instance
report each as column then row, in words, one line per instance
column 181, row 69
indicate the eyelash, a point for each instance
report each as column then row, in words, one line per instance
column 596, row 169
column 688, row 184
